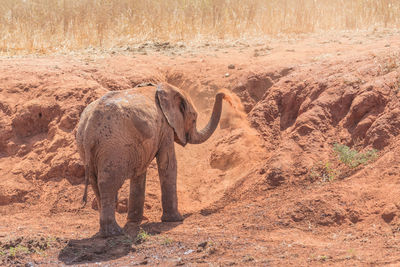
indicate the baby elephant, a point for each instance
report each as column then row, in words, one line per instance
column 121, row 133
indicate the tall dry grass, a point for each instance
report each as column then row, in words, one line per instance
column 47, row 25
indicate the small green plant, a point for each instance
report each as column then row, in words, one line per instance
column 166, row 241
column 323, row 258
column 18, row 250
column 142, row 237
column 352, row 158
column 12, row 252
column 324, row 171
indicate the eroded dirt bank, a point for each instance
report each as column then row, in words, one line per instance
column 266, row 189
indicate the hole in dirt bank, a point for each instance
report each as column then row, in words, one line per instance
column 363, row 105
column 34, row 118
column 290, row 105
column 254, row 86
column 384, row 129
column 252, row 89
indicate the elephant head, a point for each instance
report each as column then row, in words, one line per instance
column 182, row 116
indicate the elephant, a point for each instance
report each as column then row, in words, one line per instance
column 118, row 136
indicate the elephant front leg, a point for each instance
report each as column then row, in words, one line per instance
column 167, row 167
column 136, row 198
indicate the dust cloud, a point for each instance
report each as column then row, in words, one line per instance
column 239, row 141
column 234, row 117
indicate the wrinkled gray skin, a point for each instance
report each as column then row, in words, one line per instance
column 121, row 133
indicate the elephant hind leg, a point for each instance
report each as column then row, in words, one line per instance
column 136, row 198
column 109, row 182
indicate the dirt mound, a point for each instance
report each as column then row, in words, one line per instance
column 303, row 115
column 297, row 110
column 272, row 169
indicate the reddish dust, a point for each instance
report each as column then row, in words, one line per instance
column 236, row 109
column 234, row 117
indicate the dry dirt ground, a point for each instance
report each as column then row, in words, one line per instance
column 268, row 188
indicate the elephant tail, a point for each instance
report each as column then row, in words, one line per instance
column 87, row 174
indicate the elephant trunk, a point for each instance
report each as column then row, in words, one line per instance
column 198, row 137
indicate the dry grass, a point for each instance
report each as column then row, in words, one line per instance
column 48, row 25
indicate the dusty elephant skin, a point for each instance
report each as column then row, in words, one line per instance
column 123, row 131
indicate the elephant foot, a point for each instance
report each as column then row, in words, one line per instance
column 132, row 229
column 110, row 229
column 172, row 217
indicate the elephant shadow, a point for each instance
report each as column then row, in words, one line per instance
column 99, row 249
column 156, row 228
column 95, row 249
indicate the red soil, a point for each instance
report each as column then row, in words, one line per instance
column 256, row 193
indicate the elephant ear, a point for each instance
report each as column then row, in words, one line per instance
column 173, row 105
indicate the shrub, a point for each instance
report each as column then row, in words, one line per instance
column 352, row 158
